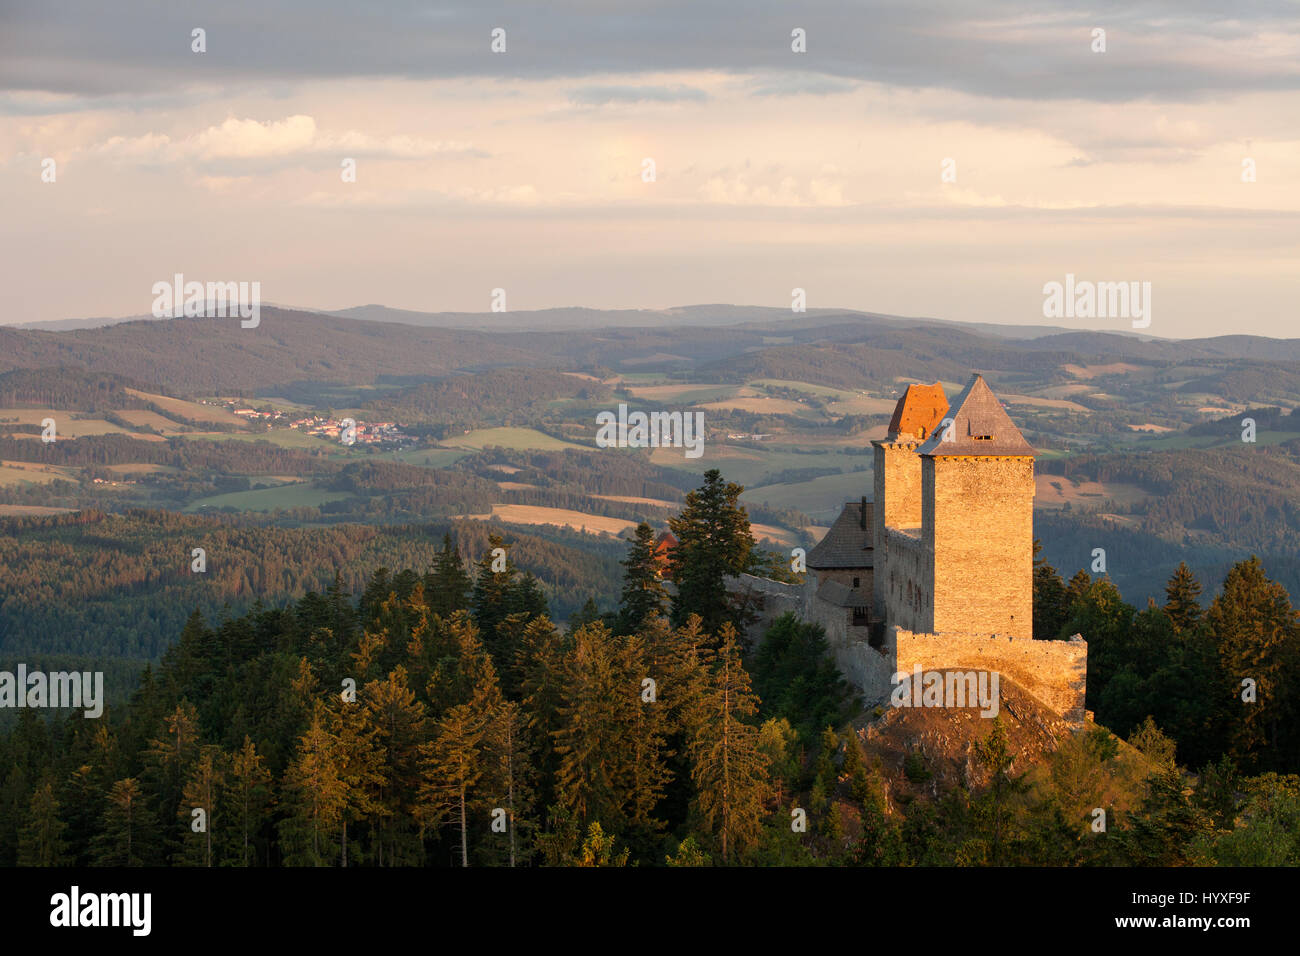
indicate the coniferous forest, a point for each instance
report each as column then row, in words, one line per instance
column 439, row 718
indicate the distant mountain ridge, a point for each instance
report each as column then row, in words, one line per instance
column 841, row 349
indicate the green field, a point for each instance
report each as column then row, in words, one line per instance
column 820, row 498
column 751, row 465
column 514, row 438
column 302, row 494
column 284, row 437
column 823, row 391
column 427, row 457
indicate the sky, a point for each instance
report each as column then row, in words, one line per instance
column 526, row 170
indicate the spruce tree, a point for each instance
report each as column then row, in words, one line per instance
column 400, row 728
column 200, row 793
column 447, row 586
column 643, row 591
column 728, row 767
column 40, row 842
column 453, row 765
column 315, row 796
column 1258, row 634
column 713, row 542
column 1049, row 598
column 246, row 797
column 1182, row 600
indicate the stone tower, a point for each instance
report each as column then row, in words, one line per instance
column 897, row 473
column 977, row 519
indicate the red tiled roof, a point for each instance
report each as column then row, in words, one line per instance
column 919, row 411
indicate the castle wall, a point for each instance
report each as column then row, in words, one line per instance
column 906, row 572
column 846, row 575
column 977, row 521
column 896, row 482
column 863, row 666
column 768, row 599
column 1055, row 672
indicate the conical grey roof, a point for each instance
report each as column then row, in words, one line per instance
column 980, row 426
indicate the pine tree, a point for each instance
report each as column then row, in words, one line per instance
column 510, row 774
column 170, row 756
column 127, row 833
column 1050, row 600
column 453, row 766
column 643, row 591
column 493, row 591
column 399, row 720
column 713, row 541
column 246, row 797
column 200, row 792
column 1257, row 632
column 40, row 843
column 996, row 810
column 728, row 768
column 600, row 849
column 360, row 762
column 591, row 778
column 1182, row 600
column 315, row 796
column 447, row 586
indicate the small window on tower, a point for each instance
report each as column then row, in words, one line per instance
column 857, row 582
column 982, row 437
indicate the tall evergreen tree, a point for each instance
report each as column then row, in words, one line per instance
column 1258, row 635
column 643, row 591
column 713, row 541
column 727, row 765
column 399, row 721
column 453, row 766
column 200, row 793
column 315, row 796
column 447, row 586
column 40, row 843
column 1182, row 600
column 246, row 796
column 1049, row 598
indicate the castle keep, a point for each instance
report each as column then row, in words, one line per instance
column 937, row 570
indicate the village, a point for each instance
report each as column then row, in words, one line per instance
column 321, row 426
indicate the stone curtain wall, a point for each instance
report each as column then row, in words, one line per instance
column 906, row 571
column 1055, row 672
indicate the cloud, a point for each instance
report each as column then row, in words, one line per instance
column 605, row 95
column 298, row 135
column 738, row 190
column 1174, row 50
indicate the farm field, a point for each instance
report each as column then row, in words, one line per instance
column 818, row 498
column 192, row 410
column 301, row 494
column 65, row 425
column 563, row 517
column 25, row 472
column 1055, row 491
column 508, row 437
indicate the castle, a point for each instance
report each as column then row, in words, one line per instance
column 936, row 570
